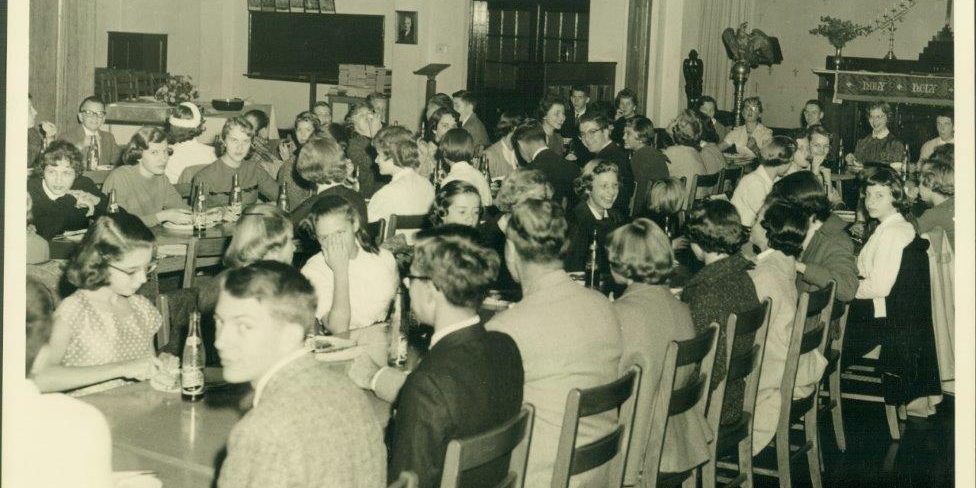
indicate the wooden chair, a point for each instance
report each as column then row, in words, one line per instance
column 202, row 252
column 735, row 440
column 404, row 222
column 377, row 231
column 675, row 399
column 835, row 350
column 810, row 329
column 702, row 187
column 407, row 479
column 619, row 395
column 510, row 438
column 126, row 84
column 728, row 178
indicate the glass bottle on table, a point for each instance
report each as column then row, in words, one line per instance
column 591, row 270
column 235, row 198
column 194, row 359
column 283, row 198
column 199, row 211
column 113, row 204
column 397, row 347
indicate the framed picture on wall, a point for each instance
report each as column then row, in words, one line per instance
column 406, row 27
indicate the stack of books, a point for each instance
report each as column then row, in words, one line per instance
column 375, row 78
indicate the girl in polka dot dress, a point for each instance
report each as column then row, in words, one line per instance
column 103, row 332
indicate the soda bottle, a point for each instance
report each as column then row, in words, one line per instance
column 283, row 198
column 194, row 359
column 591, row 276
column 113, row 205
column 235, row 198
column 397, row 352
column 200, row 211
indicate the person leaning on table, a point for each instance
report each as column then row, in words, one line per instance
column 309, row 425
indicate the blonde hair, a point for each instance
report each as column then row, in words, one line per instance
column 641, row 251
column 263, row 228
column 583, row 184
column 666, row 196
column 520, row 186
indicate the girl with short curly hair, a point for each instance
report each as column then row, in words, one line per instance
column 457, row 202
column 103, row 332
column 598, row 186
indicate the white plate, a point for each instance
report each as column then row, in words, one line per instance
column 328, row 348
column 175, row 226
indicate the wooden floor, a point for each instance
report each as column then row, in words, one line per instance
column 923, row 458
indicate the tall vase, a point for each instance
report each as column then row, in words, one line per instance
column 838, row 58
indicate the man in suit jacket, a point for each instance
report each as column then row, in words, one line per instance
column 464, row 104
column 91, row 115
column 595, row 133
column 567, row 334
column 530, row 139
column 471, row 379
column 309, row 425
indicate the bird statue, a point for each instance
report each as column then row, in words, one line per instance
column 753, row 48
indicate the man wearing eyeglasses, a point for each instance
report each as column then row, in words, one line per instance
column 91, row 115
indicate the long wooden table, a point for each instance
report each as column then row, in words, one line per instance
column 182, row 442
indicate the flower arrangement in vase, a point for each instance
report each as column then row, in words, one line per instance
column 177, row 89
column 838, row 33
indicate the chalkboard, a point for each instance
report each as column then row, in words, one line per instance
column 292, row 45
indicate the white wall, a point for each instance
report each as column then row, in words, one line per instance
column 208, row 40
column 786, row 87
column 180, row 19
column 608, row 35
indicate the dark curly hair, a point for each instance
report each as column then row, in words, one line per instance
column 456, row 146
column 182, row 134
column 445, row 197
column 803, row 190
column 884, row 176
column 57, row 152
column 140, row 141
column 107, row 240
column 715, row 226
column 459, row 267
column 786, row 227
column 435, row 119
column 398, row 144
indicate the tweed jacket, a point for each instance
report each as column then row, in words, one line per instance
column 108, row 150
column 830, row 256
column 569, row 338
column 650, row 318
column 312, row 428
column 717, row 291
column 476, row 128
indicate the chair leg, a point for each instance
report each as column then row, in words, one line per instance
column 837, row 411
column 814, row 459
column 783, row 457
column 708, row 472
column 745, row 461
column 891, row 416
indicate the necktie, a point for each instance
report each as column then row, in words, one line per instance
column 93, row 151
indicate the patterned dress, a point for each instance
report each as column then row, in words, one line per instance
column 100, row 337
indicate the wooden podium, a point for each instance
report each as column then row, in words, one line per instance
column 431, row 71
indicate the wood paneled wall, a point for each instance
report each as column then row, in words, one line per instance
column 62, row 57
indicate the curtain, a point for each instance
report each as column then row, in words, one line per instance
column 716, row 16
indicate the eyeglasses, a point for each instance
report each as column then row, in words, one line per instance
column 148, row 269
column 91, row 113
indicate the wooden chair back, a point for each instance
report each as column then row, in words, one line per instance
column 509, row 439
column 619, row 395
column 702, row 187
column 737, row 438
column 377, row 231
column 404, row 222
column 407, row 479
column 728, row 178
column 674, row 398
column 810, row 330
column 202, row 252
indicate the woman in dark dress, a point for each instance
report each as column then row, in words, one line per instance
column 64, row 200
column 598, row 187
